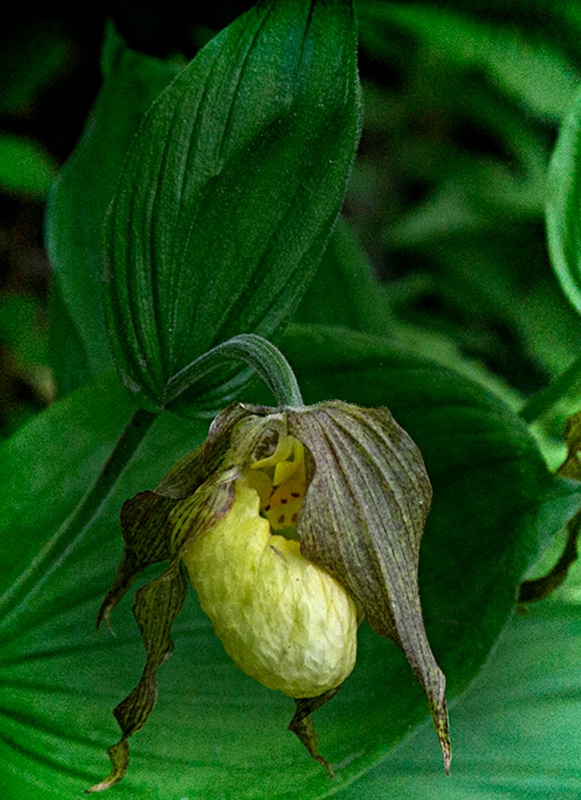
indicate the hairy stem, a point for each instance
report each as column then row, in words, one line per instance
column 260, row 354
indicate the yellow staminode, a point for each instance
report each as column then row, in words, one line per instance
column 281, row 497
column 284, row 621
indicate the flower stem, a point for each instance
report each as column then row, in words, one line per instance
column 51, row 557
column 542, row 402
column 539, row 588
column 260, row 354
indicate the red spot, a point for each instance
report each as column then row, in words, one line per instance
column 295, row 494
column 283, row 501
column 294, row 517
column 267, row 508
column 281, row 519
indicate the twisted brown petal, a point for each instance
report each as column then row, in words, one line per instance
column 362, row 520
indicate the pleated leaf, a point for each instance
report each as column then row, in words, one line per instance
column 230, row 192
column 78, row 202
column 214, row 731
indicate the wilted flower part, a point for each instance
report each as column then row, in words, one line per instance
column 370, row 484
column 291, row 525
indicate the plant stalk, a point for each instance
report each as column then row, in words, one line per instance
column 258, row 353
column 542, row 402
column 539, row 588
column 56, row 550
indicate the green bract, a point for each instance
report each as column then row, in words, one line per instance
column 289, row 522
column 229, row 195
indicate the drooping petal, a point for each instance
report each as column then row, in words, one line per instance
column 194, row 516
column 303, row 727
column 157, row 528
column 143, row 519
column 184, row 478
column 362, row 520
column 155, row 608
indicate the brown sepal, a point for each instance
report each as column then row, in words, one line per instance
column 362, row 520
column 303, row 727
column 143, row 519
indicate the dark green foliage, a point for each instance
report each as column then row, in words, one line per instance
column 435, row 297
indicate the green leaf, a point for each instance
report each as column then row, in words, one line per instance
column 230, row 191
column 563, row 204
column 24, row 167
column 215, row 732
column 522, row 64
column 516, row 724
column 46, row 468
column 79, row 199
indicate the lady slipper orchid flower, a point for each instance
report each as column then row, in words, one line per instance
column 292, row 524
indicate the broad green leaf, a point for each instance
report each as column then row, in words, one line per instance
column 24, row 167
column 50, row 463
column 515, row 728
column 215, row 732
column 564, row 204
column 517, row 725
column 79, row 199
column 230, row 191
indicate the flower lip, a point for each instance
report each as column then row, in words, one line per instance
column 287, row 623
